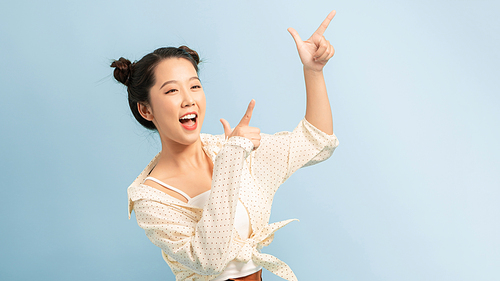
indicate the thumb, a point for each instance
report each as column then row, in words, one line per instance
column 296, row 37
column 227, row 128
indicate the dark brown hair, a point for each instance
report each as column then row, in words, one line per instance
column 139, row 75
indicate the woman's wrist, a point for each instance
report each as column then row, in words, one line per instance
column 310, row 71
column 246, row 144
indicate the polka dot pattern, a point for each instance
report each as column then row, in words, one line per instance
column 197, row 243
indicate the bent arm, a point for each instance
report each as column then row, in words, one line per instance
column 314, row 53
column 202, row 245
column 281, row 154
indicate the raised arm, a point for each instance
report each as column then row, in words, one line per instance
column 314, row 54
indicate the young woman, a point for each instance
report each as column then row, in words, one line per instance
column 205, row 200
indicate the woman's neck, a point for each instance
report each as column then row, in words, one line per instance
column 176, row 158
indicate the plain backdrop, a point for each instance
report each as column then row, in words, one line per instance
column 411, row 193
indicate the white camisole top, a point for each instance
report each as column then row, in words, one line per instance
column 234, row 269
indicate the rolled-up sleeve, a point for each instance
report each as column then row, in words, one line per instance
column 281, row 154
column 202, row 245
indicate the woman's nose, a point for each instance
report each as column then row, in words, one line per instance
column 188, row 99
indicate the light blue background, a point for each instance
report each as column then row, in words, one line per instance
column 412, row 192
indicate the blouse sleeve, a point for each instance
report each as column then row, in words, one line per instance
column 202, row 245
column 281, row 154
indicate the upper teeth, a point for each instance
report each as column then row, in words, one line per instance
column 188, row 116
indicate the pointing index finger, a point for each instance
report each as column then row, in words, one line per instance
column 321, row 29
column 248, row 115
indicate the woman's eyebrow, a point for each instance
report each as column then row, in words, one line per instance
column 173, row 81
column 168, row 82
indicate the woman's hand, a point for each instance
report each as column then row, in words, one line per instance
column 242, row 129
column 316, row 51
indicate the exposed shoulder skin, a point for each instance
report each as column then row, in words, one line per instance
column 172, row 193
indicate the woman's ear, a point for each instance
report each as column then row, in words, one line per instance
column 145, row 111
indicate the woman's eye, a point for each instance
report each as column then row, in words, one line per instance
column 196, row 87
column 170, row 91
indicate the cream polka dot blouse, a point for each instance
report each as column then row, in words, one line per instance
column 197, row 243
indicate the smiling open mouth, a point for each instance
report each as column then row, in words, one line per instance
column 188, row 121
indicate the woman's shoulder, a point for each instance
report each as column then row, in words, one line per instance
column 209, row 139
column 212, row 143
column 146, row 191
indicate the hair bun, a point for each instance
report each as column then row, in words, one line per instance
column 193, row 53
column 123, row 70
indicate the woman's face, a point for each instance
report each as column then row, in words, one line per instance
column 177, row 101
